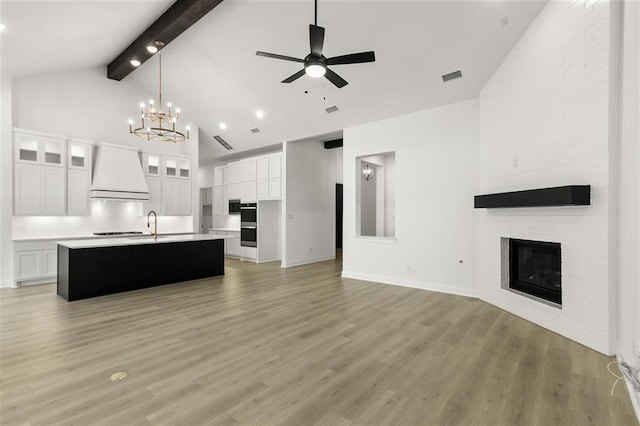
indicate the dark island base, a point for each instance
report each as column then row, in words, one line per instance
column 97, row 271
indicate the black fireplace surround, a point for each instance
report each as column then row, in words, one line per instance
column 535, row 269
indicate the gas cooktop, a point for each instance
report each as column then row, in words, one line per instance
column 119, row 233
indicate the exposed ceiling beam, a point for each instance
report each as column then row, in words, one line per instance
column 176, row 20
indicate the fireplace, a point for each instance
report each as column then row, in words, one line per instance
column 535, row 269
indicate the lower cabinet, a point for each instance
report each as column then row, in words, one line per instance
column 231, row 242
column 35, row 262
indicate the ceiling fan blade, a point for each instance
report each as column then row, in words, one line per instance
column 353, row 58
column 294, row 77
column 316, row 39
column 337, row 81
column 276, row 56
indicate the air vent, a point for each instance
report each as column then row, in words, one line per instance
column 331, row 109
column 255, row 130
column 222, row 142
column 452, row 76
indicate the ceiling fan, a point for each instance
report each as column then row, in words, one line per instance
column 315, row 63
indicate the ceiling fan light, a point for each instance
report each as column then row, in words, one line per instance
column 315, row 70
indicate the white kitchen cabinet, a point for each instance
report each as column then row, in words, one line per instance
column 35, row 262
column 155, row 195
column 234, row 191
column 248, row 192
column 248, row 170
column 78, row 178
column 39, row 190
column 218, row 197
column 151, row 164
column 262, row 168
column 275, row 166
column 176, row 197
column 225, row 200
column 78, row 186
column 233, row 173
column 269, row 177
column 39, row 174
column 275, row 189
column 218, row 176
column 29, row 265
column 176, row 167
column 233, row 243
column 39, row 148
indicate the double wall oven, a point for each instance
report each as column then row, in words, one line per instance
column 249, row 224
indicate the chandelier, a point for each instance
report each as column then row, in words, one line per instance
column 159, row 125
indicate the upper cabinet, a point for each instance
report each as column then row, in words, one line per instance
column 52, row 175
column 269, row 171
column 169, row 181
column 233, row 173
column 151, row 164
column 78, row 177
column 176, row 167
column 37, row 148
column 218, row 176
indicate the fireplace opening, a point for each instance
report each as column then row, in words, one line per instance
column 535, row 269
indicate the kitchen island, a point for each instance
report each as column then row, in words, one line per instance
column 96, row 267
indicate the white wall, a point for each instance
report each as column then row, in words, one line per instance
column 436, row 177
column 309, row 205
column 544, row 121
column 629, row 189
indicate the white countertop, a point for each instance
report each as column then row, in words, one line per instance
column 225, row 229
column 84, row 237
column 129, row 241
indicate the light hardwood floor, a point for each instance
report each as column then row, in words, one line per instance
column 298, row 346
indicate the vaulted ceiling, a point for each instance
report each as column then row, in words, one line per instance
column 212, row 71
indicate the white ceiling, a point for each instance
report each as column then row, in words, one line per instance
column 212, row 72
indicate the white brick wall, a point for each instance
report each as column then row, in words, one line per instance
column 544, row 121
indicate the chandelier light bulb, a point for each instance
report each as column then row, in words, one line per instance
column 142, row 105
column 150, row 101
column 130, row 121
column 168, row 104
column 177, row 110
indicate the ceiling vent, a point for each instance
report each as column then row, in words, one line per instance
column 255, row 130
column 331, row 109
column 222, row 142
column 452, row 76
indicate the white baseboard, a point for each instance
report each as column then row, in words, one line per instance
column 7, row 283
column 422, row 285
column 306, row 261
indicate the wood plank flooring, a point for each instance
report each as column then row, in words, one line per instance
column 298, row 346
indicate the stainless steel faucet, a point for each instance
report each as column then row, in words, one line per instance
column 155, row 224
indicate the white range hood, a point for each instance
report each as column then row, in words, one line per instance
column 117, row 174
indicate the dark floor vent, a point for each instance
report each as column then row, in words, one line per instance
column 452, row 76
column 222, row 142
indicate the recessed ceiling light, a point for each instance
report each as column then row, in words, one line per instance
column 152, row 49
column 259, row 113
column 135, row 62
column 223, row 126
column 2, row 27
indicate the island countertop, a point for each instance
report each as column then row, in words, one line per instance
column 136, row 240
